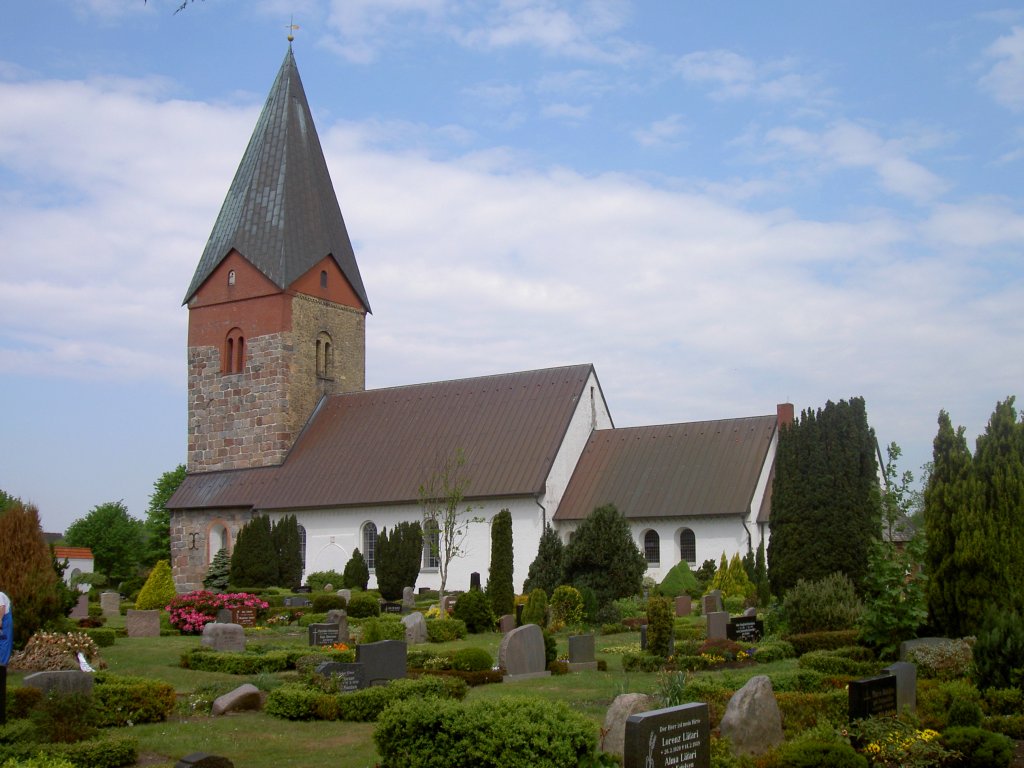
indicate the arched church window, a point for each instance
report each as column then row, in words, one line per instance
column 233, row 357
column 431, row 545
column 688, row 546
column 324, row 356
column 652, row 548
column 370, row 545
column 231, row 277
column 302, row 547
column 216, row 539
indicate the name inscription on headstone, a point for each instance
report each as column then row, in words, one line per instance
column 244, row 616
column 872, row 696
column 745, row 630
column 324, row 634
column 389, row 607
column 676, row 737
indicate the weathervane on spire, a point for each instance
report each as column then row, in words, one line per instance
column 292, row 26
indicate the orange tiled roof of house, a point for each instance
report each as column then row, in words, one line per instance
column 73, row 553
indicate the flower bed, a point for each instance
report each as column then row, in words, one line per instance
column 192, row 611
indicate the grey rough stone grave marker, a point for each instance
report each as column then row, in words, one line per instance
column 675, row 737
column 224, row 616
column 744, row 629
column 382, row 661
column 142, row 623
column 110, row 602
column 324, row 634
column 81, row 609
column 521, row 653
column 346, row 595
column 61, row 681
column 872, row 696
column 203, row 760
column 906, row 685
column 408, row 599
column 614, row 730
column 340, row 618
column 752, row 721
column 718, row 622
column 711, row 602
column 244, row 697
column 351, row 677
column 507, row 623
column 415, row 628
column 223, row 637
column 581, row 653
column 684, row 605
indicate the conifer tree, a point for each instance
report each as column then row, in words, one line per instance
column 357, row 573
column 219, row 573
column 26, row 571
column 398, row 559
column 825, row 499
column 546, row 570
column 761, row 577
column 287, row 544
column 500, row 590
column 254, row 559
column 158, row 590
column 603, row 556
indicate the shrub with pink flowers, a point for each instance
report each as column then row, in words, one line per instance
column 192, row 611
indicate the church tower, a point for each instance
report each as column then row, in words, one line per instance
column 277, row 307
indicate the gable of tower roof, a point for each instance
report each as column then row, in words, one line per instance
column 281, row 212
column 702, row 468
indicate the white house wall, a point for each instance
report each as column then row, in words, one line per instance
column 331, row 535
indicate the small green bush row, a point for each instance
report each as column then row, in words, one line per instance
column 96, row 753
column 255, row 662
column 822, row 641
column 834, row 663
column 506, row 733
column 122, row 700
column 464, row 660
column 386, row 627
column 294, row 701
column 445, row 630
column 472, row 679
column 642, row 662
column 103, row 637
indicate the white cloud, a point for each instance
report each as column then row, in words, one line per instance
column 572, row 113
column 732, row 76
column 666, row 132
column 1004, row 81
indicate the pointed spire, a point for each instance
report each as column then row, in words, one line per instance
column 281, row 212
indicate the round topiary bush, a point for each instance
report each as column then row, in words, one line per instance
column 979, row 748
column 679, row 581
column 363, row 605
column 474, row 608
column 472, row 660
column 536, row 610
column 566, row 606
column 327, row 602
column 825, row 605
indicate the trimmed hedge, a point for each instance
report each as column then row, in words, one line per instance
column 445, row 630
column 122, row 700
column 95, row 753
column 255, row 662
column 834, row 663
column 822, row 641
column 293, row 701
column 979, row 748
column 103, row 637
column 506, row 733
column 385, row 627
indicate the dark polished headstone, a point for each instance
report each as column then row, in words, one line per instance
column 872, row 696
column 351, row 677
column 675, row 737
column 324, row 634
column 382, row 661
column 745, row 629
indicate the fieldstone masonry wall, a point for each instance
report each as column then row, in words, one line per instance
column 189, row 564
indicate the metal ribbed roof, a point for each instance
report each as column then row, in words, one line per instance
column 379, row 446
column 281, row 212
column 671, row 470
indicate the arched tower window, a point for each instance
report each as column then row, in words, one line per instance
column 324, row 356
column 231, row 277
column 323, row 278
column 370, row 545
column 431, row 545
column 688, row 546
column 652, row 548
column 233, row 358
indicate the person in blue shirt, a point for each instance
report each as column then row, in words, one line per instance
column 6, row 643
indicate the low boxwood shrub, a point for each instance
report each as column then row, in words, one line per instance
column 827, row 604
column 102, row 637
column 21, row 701
column 317, row 580
column 471, row 660
column 363, row 605
column 445, row 630
column 472, row 679
column 305, row 618
column 294, row 701
column 39, row 761
column 505, row 733
column 774, row 650
column 801, row 681
column 323, row 603
column 832, row 663
column 822, row 641
column 233, row 663
column 642, row 662
column 474, row 608
column 814, row 754
column 1004, row 701
column 104, row 752
column 801, row 711
column 1008, row 725
column 383, row 628
column 123, row 700
column 979, row 748
column 964, row 712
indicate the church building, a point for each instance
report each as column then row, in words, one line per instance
column 280, row 421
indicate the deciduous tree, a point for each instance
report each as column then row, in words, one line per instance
column 114, row 536
column 26, row 571
column 157, row 527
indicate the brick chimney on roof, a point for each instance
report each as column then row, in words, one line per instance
column 784, row 414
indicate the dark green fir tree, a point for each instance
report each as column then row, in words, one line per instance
column 357, row 573
column 500, row 589
column 602, row 555
column 398, row 559
column 254, row 559
column 287, row 545
column 546, row 569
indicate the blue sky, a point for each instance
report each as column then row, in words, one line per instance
column 721, row 206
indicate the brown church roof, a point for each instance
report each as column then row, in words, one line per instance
column 378, row 446
column 671, row 470
column 281, row 212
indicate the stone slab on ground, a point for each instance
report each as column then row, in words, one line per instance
column 243, row 698
column 203, row 760
column 61, row 681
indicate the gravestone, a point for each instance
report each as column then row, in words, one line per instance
column 448, row 604
column 388, row 606
column 328, row 587
column 906, row 685
column 305, row 589
column 339, row 617
column 346, row 595
column 711, row 602
column 474, row 581
column 203, row 760
column 244, row 697
column 324, row 634
column 519, row 613
column 351, row 677
column 297, row 602
column 581, row 653
column 408, row 599
column 224, row 616
column 614, row 731
column 110, row 602
column 744, row 629
column 718, row 623
column 684, row 605
column 81, row 609
column 244, row 616
column 679, row 737
column 142, row 623
column 872, row 696
column 521, row 653
column 752, row 721
column 415, row 628
column 507, row 623
column 223, row 637
column 382, row 661
column 61, row 681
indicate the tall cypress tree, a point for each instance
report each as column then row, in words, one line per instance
column 254, row 559
column 546, row 570
column 945, row 497
column 825, row 499
column 398, row 558
column 500, row 589
column 287, row 544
